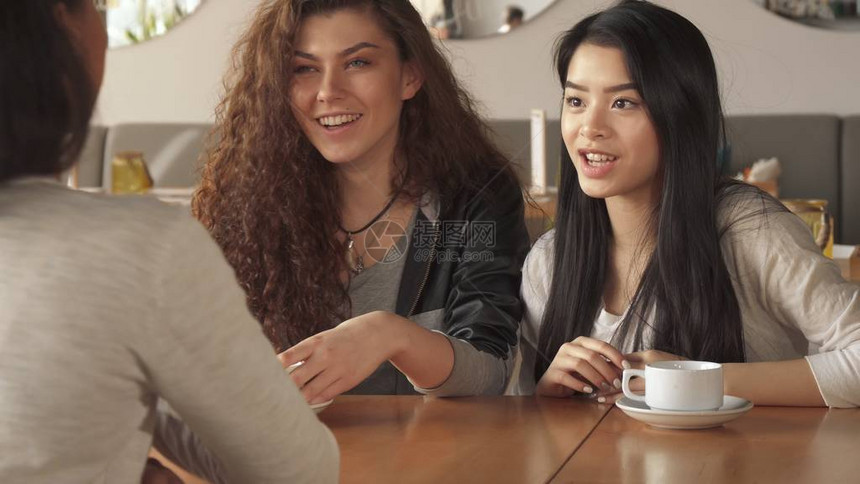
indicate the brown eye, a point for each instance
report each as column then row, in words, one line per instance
column 573, row 102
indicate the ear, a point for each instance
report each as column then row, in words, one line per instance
column 411, row 81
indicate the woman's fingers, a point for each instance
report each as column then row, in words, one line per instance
column 610, row 399
column 602, row 347
column 336, row 388
column 306, row 372
column 573, row 364
column 594, row 366
column 568, row 380
column 560, row 383
column 297, row 353
column 313, row 390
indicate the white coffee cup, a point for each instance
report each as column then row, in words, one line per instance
column 679, row 385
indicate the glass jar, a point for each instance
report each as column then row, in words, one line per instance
column 129, row 173
column 814, row 213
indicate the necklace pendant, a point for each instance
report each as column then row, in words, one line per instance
column 354, row 259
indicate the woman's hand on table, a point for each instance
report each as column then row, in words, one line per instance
column 584, row 365
column 612, row 393
column 338, row 359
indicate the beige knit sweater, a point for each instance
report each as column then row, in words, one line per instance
column 107, row 304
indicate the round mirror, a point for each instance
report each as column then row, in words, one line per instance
column 832, row 14
column 472, row 19
column 134, row 21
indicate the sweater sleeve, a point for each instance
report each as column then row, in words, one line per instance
column 475, row 372
column 784, row 272
column 207, row 357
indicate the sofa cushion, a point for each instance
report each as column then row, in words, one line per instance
column 807, row 147
column 91, row 158
column 850, row 181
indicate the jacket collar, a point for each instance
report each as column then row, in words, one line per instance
column 418, row 261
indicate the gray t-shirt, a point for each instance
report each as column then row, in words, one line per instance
column 474, row 373
column 107, row 304
column 376, row 289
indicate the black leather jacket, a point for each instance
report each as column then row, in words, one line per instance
column 468, row 261
column 462, row 277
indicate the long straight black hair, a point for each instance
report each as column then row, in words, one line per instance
column 685, row 293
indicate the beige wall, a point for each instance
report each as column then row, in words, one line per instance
column 767, row 64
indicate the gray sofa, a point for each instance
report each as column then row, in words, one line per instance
column 171, row 152
column 820, row 155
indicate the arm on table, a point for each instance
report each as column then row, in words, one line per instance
column 781, row 272
column 208, row 358
column 779, row 383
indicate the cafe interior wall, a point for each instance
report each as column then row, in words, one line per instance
column 767, row 64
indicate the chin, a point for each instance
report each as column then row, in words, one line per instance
column 336, row 157
column 596, row 194
column 337, row 160
column 592, row 191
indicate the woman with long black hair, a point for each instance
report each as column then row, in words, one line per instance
column 654, row 257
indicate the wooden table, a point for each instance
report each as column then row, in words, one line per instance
column 768, row 444
column 482, row 439
column 528, row 439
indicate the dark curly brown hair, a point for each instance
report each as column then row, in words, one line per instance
column 270, row 199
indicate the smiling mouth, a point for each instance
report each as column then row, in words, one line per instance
column 597, row 159
column 332, row 122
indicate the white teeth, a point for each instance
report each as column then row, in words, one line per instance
column 338, row 120
column 599, row 158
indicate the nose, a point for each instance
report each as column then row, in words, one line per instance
column 594, row 125
column 331, row 86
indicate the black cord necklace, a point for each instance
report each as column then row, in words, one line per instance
column 353, row 258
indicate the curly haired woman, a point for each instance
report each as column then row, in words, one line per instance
column 377, row 232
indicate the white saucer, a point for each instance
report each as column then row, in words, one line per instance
column 319, row 407
column 733, row 407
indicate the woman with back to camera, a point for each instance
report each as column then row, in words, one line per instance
column 654, row 257
column 342, row 119
column 103, row 301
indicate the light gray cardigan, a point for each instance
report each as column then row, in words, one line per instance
column 107, row 304
column 793, row 300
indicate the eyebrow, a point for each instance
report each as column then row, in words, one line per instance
column 620, row 87
column 346, row 52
